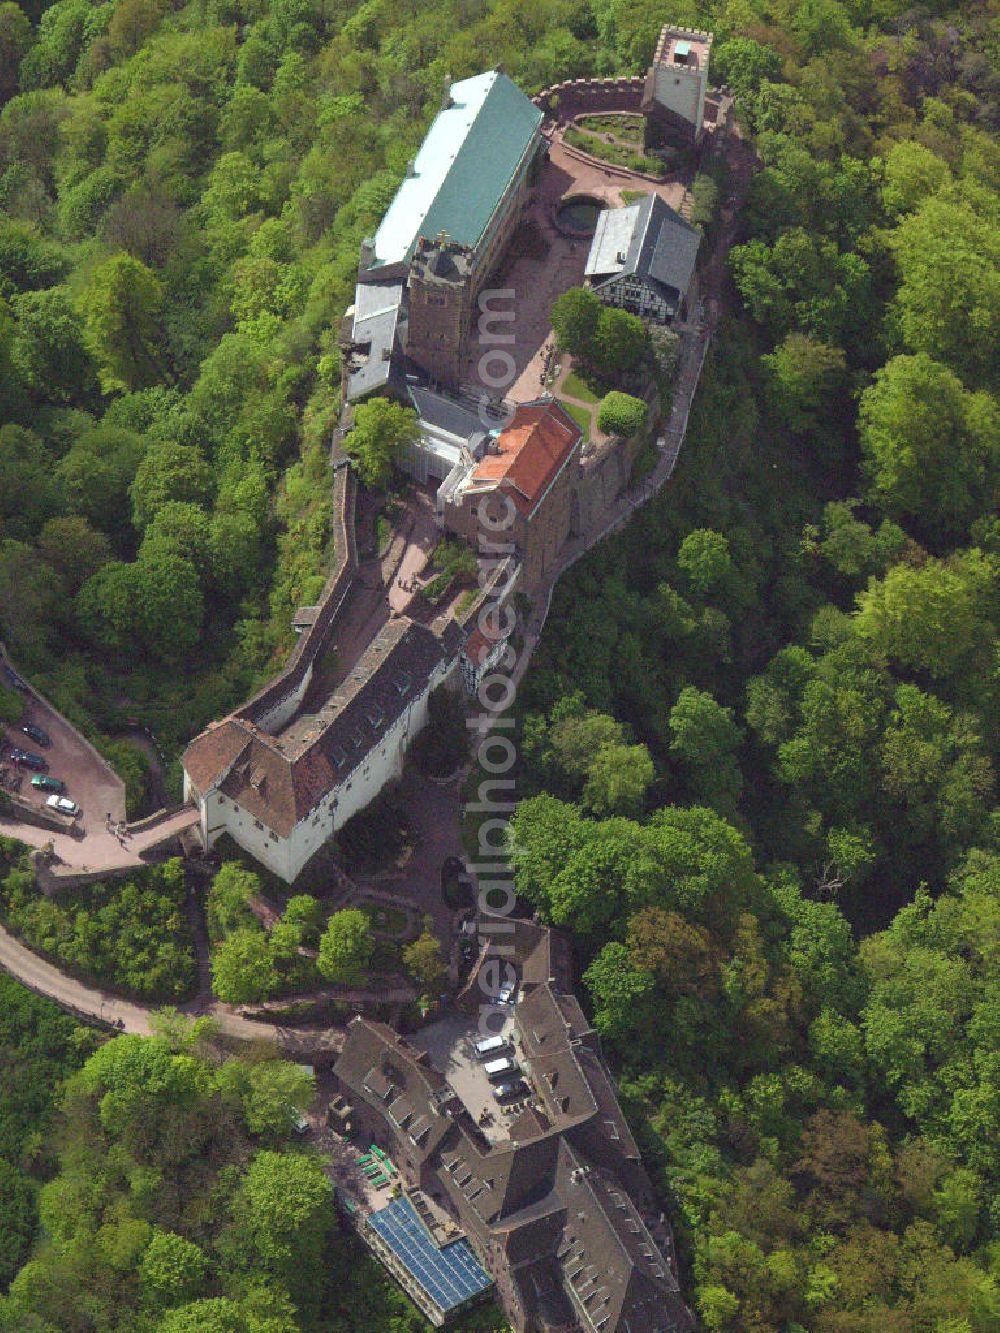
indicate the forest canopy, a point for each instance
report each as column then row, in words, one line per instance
column 759, row 736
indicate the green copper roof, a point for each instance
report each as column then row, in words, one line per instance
column 470, row 154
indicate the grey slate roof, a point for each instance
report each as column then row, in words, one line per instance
column 444, row 413
column 647, row 240
column 379, row 315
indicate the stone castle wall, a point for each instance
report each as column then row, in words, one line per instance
column 272, row 706
column 577, row 97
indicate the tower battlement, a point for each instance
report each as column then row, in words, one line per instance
column 674, row 96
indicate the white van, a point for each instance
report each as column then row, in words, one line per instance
column 490, row 1046
column 498, row 1068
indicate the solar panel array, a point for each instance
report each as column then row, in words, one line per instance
column 450, row 1276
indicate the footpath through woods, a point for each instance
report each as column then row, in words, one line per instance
column 105, row 1009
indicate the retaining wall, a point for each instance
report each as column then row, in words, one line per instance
column 26, row 813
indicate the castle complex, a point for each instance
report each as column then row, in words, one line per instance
column 284, row 772
column 551, row 1206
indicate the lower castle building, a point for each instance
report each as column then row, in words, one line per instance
column 282, row 793
column 560, row 1213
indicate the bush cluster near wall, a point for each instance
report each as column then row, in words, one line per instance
column 131, row 934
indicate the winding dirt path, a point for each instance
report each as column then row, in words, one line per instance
column 104, row 1009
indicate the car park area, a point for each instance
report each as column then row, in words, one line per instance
column 44, row 760
column 451, row 1046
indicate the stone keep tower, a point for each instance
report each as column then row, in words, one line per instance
column 673, row 99
column 440, row 305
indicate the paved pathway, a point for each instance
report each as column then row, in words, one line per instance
column 421, row 540
column 89, row 1001
column 100, row 849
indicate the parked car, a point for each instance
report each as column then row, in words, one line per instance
column 514, row 1087
column 37, row 734
column 507, row 992
column 500, row 1068
column 12, row 678
column 46, row 783
column 28, row 760
column 63, row 804
column 490, row 1046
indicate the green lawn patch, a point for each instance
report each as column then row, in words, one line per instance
column 633, row 196
column 389, row 920
column 577, row 387
column 622, row 127
column 581, row 416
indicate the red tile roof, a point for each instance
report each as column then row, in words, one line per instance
column 209, row 755
column 280, row 779
column 529, row 453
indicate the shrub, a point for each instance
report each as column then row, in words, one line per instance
column 621, row 414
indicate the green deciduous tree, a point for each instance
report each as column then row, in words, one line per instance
column 424, row 960
column 307, row 914
column 243, row 969
column 381, row 429
column 911, row 174
column 948, row 302
column 173, row 1269
column 182, row 529
column 933, row 449
column 705, row 560
column 743, row 64
column 274, row 1093
column 929, row 619
column 227, row 907
column 283, row 1215
column 122, row 308
column 29, row 494
column 806, row 374
column 169, row 607
column 618, row 778
column 168, row 472
column 345, row 949
column 619, row 343
column 74, row 549
column 706, row 740
column 27, row 260
column 96, row 475
column 29, row 603
column 575, row 314
column 15, row 38
column 49, row 350
column 803, row 282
